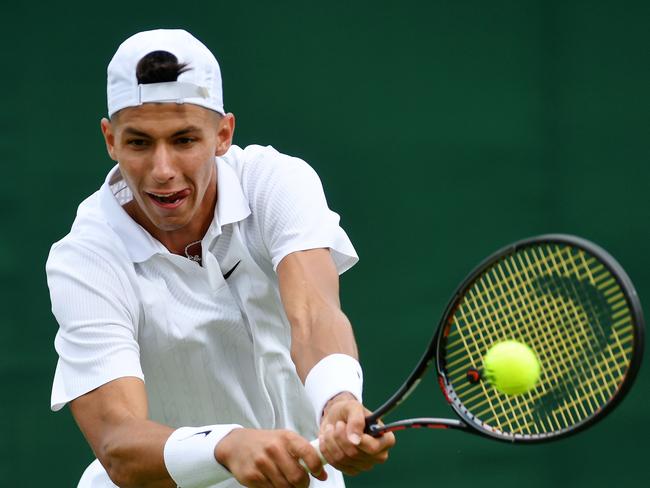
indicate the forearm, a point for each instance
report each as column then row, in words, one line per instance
column 323, row 348
column 113, row 418
column 324, row 331
column 132, row 454
column 309, row 287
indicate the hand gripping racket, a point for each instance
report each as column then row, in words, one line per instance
column 569, row 301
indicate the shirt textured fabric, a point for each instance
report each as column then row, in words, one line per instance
column 210, row 350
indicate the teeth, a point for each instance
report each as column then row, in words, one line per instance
column 163, row 195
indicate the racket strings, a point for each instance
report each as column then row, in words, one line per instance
column 568, row 307
column 582, row 373
column 584, row 341
column 579, row 370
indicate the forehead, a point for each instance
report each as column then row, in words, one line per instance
column 161, row 117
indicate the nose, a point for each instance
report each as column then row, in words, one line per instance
column 162, row 169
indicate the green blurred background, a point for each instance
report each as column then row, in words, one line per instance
column 442, row 130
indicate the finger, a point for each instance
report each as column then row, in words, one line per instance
column 265, row 483
column 374, row 450
column 356, row 423
column 288, row 461
column 344, row 442
column 310, row 459
column 371, row 444
column 333, row 452
column 269, row 466
column 355, row 459
column 293, row 472
column 256, row 480
column 387, row 440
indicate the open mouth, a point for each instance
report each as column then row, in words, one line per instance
column 168, row 200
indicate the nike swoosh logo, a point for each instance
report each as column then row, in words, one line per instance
column 205, row 433
column 227, row 275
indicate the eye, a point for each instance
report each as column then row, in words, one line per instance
column 137, row 143
column 184, row 141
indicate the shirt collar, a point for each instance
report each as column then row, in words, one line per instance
column 232, row 206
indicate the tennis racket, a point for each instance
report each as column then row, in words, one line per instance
column 568, row 300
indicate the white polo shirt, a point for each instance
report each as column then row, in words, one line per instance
column 211, row 350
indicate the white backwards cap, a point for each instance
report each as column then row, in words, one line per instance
column 199, row 85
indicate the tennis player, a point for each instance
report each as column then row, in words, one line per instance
column 201, row 341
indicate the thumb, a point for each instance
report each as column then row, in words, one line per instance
column 356, row 423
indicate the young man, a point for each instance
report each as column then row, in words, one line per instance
column 201, row 341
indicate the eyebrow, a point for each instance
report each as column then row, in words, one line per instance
column 186, row 130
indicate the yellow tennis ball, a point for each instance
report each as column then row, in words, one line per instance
column 511, row 367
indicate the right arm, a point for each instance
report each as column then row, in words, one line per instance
column 99, row 373
column 113, row 418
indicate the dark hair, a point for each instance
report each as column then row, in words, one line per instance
column 159, row 67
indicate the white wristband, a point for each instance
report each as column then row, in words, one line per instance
column 189, row 455
column 332, row 375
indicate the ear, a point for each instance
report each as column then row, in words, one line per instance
column 109, row 137
column 225, row 132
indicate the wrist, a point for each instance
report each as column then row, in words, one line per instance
column 330, row 377
column 226, row 446
column 189, row 455
column 344, row 396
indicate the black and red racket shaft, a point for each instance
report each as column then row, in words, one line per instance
column 418, row 423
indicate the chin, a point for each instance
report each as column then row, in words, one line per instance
column 169, row 226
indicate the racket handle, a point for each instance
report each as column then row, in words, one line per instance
column 315, row 444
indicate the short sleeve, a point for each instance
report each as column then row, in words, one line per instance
column 289, row 200
column 97, row 337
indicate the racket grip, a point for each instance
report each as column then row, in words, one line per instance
column 315, row 444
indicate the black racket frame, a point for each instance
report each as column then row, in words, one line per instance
column 466, row 421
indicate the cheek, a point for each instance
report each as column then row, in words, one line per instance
column 206, row 176
column 203, row 168
column 131, row 172
column 126, row 170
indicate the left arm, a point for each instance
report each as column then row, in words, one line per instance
column 309, row 287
